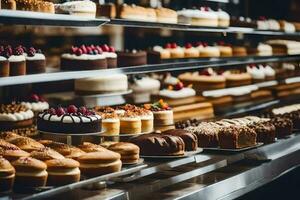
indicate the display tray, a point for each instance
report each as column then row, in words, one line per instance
column 72, row 134
column 48, row 191
column 233, row 150
column 104, row 94
column 141, row 161
column 186, row 154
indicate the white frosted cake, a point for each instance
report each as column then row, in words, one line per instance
column 103, row 84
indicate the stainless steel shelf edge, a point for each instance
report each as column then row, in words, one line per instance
column 16, row 17
column 83, row 183
column 199, row 64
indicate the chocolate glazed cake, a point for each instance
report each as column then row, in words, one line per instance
column 132, row 58
column 190, row 139
column 159, row 145
column 69, row 120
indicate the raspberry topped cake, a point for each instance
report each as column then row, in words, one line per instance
column 16, row 61
column 35, row 103
column 84, row 58
column 4, row 64
column 69, row 120
column 35, row 61
column 110, row 55
column 13, row 116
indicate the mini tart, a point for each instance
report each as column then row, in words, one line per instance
column 177, row 52
column 13, row 116
column 99, row 163
column 46, row 153
column 163, row 53
column 90, row 147
column 62, row 171
column 130, row 123
column 7, row 175
column 64, row 149
column 27, row 144
column 208, row 51
column 129, row 152
column 30, row 172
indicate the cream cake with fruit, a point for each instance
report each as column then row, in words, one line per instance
column 83, row 58
column 35, row 103
column 69, row 120
column 35, row 61
column 110, row 55
column 163, row 115
column 177, row 95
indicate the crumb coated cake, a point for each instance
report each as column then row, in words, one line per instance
column 69, row 120
column 14, row 116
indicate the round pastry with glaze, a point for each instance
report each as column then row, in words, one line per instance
column 7, row 175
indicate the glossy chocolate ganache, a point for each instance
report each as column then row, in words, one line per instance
column 70, row 120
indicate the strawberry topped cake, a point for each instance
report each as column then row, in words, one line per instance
column 190, row 51
column 69, row 120
column 176, row 51
column 84, row 58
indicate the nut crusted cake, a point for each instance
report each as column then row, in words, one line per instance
column 207, row 134
column 69, row 120
column 14, row 116
column 235, row 137
column 159, row 145
column 265, row 131
column 283, row 125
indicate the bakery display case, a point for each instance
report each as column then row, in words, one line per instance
column 158, row 100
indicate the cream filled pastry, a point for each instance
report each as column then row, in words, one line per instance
column 30, row 172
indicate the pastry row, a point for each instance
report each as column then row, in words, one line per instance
column 238, row 132
column 30, row 163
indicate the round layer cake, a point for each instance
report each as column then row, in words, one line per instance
column 13, row 116
column 70, row 120
column 103, row 84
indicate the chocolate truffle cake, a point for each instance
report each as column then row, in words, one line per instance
column 84, row 58
column 159, row 144
column 235, row 137
column 69, row 120
column 132, row 58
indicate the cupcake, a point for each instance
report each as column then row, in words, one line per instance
column 17, row 62
column 7, row 175
column 176, row 51
column 130, row 123
column 30, row 172
column 110, row 55
column 35, row 61
column 4, row 64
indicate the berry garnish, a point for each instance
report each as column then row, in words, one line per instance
column 83, row 110
column 205, row 44
column 168, row 46
column 18, row 51
column 188, row 46
column 199, row 44
column 262, row 18
column 111, row 49
column 35, row 97
column 204, row 72
column 105, row 48
column 93, row 47
column 31, row 52
column 179, row 86
column 173, row 45
column 52, row 111
column 60, row 111
column 72, row 109
column 73, row 50
column 83, row 48
column 99, row 49
column 206, row 8
column 79, row 52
